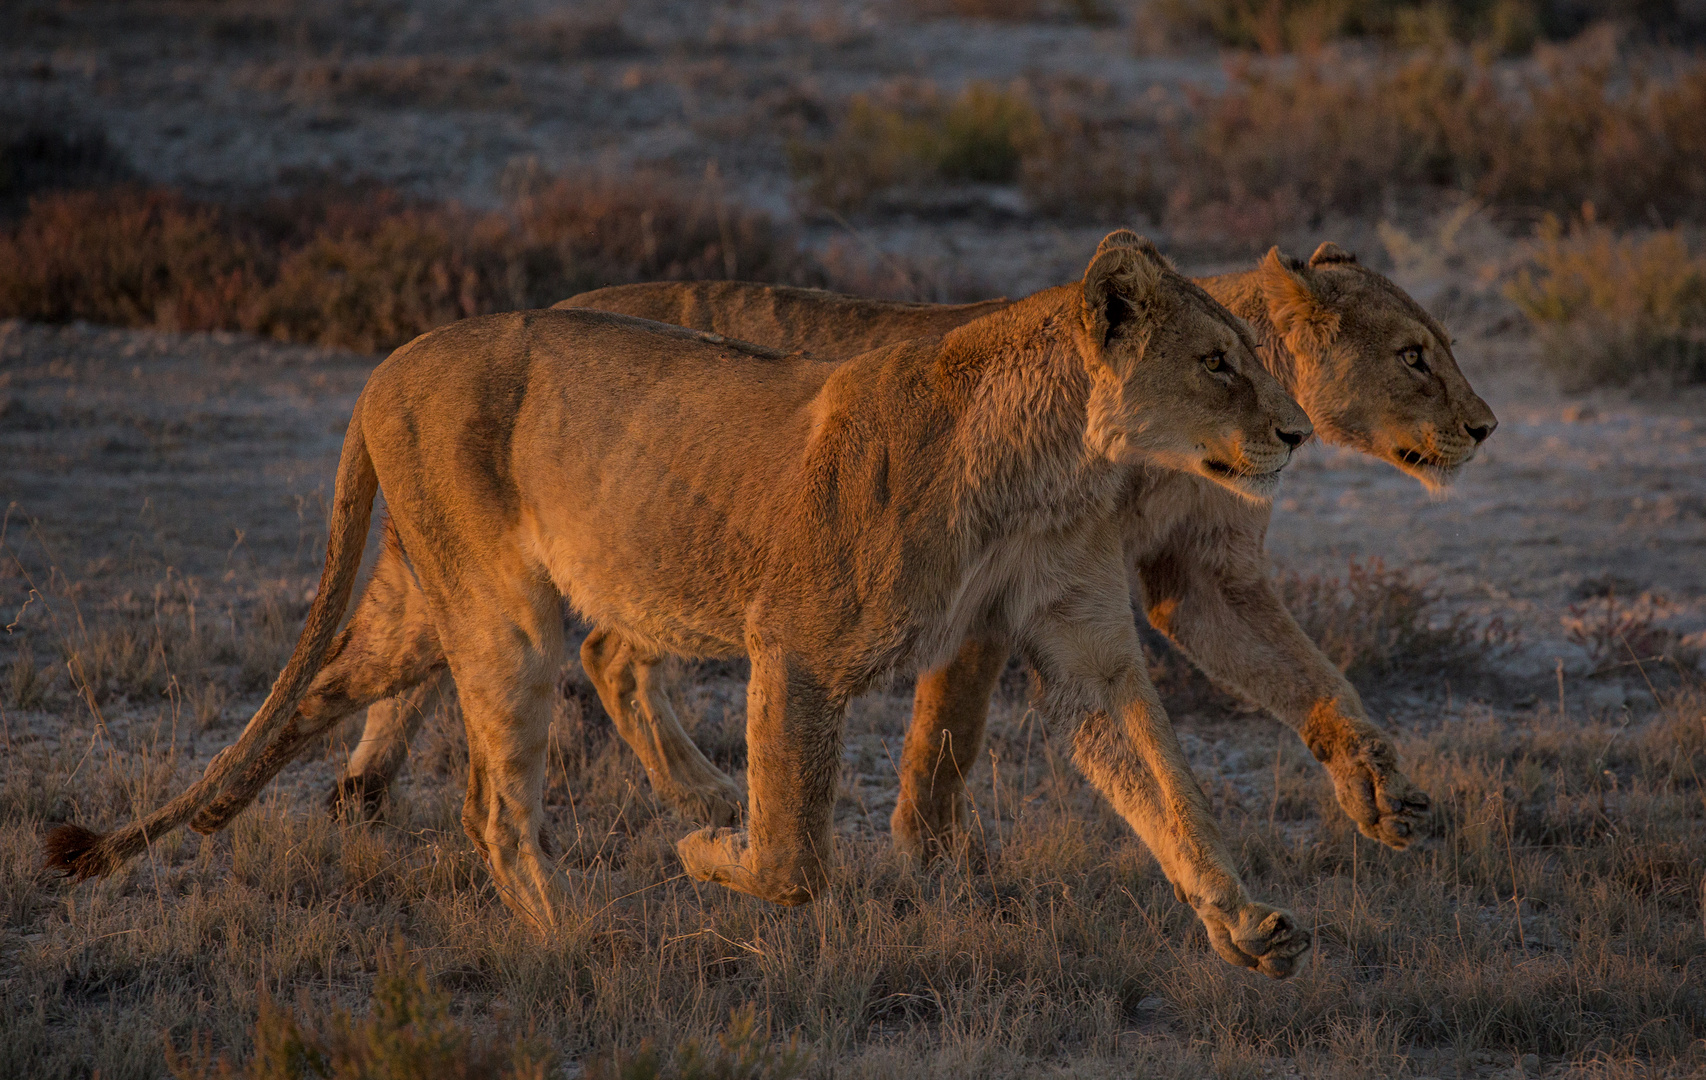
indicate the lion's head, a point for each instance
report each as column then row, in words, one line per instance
column 1175, row 378
column 1372, row 368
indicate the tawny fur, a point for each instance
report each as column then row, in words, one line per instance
column 1329, row 329
column 701, row 497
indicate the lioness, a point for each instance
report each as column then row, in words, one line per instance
column 693, row 495
column 1370, row 366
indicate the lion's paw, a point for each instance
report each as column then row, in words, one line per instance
column 1266, row 939
column 1376, row 795
column 723, row 856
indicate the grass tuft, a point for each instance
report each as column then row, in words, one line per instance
column 409, row 1031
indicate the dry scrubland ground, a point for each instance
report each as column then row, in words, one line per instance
column 165, row 522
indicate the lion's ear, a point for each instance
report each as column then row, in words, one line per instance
column 1329, row 253
column 1121, row 276
column 1120, row 238
column 1294, row 307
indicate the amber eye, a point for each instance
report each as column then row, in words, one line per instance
column 1214, row 361
column 1412, row 357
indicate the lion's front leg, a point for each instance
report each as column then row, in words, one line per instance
column 1215, row 600
column 1092, row 675
column 793, row 737
column 1372, row 790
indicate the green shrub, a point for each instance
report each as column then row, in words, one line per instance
column 982, row 136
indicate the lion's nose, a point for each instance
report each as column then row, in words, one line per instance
column 1480, row 432
column 1292, row 439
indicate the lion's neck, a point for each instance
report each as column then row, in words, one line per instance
column 1242, row 294
column 1022, row 397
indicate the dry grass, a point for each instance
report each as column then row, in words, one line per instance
column 1553, row 909
column 1615, row 308
column 369, row 270
column 408, row 1032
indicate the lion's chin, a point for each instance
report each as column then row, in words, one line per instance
column 1435, row 474
column 1257, row 487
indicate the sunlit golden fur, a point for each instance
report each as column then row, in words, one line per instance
column 832, row 522
column 1334, row 333
column 1195, row 553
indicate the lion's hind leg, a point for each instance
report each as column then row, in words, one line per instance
column 389, row 728
column 504, row 640
column 635, row 695
column 388, row 647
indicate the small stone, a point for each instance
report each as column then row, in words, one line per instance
column 1580, row 414
column 1531, row 1064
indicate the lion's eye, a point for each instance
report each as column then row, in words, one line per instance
column 1214, row 361
column 1412, row 357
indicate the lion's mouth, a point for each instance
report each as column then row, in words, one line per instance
column 1236, row 472
column 1251, row 483
column 1419, row 460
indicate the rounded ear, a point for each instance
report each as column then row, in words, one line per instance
column 1120, row 277
column 1293, row 304
column 1329, row 253
column 1119, row 238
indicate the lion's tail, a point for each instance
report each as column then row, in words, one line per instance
column 78, row 852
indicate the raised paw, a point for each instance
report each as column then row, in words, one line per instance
column 1377, row 795
column 1266, row 939
column 723, row 856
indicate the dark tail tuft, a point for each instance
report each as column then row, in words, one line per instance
column 75, row 852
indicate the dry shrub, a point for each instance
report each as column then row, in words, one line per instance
column 1338, row 136
column 1613, row 308
column 1507, row 26
column 368, row 269
column 47, row 154
column 409, row 1032
column 1289, row 144
column 1375, row 622
column 1076, row 168
column 1620, row 633
column 915, row 136
column 416, row 82
column 126, row 257
column 577, row 35
column 1020, row 11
